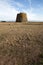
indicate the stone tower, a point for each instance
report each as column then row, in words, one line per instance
column 21, row 17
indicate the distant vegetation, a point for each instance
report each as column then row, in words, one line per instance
column 3, row 21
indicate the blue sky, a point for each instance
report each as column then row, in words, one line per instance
column 10, row 8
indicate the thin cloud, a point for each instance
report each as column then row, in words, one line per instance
column 7, row 12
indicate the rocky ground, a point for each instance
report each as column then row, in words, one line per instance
column 21, row 44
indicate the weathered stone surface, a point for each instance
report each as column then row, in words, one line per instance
column 21, row 17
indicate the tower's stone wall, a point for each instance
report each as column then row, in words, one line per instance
column 21, row 17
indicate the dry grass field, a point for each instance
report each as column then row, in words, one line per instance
column 21, row 43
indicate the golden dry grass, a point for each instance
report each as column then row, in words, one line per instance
column 21, row 43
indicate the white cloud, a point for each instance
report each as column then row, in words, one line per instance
column 7, row 12
column 19, row 4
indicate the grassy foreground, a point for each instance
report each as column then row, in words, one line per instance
column 21, row 44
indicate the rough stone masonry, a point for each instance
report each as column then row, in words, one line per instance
column 21, row 17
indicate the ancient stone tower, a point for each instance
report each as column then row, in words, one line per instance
column 21, row 17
